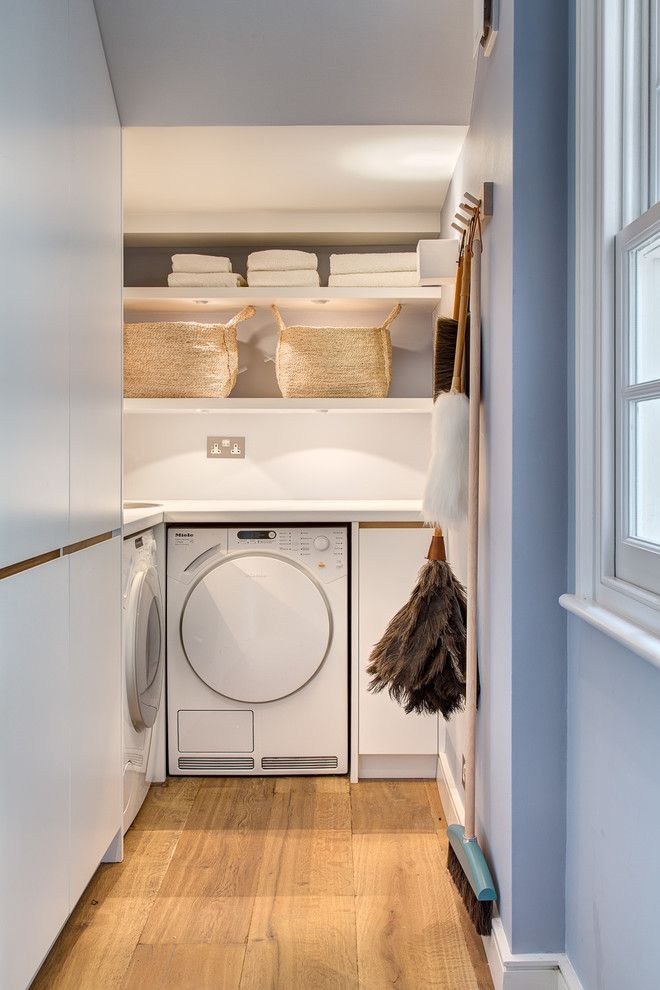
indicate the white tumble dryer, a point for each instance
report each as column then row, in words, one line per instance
column 257, row 663
column 144, row 663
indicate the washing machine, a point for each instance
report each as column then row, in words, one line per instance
column 257, row 650
column 144, row 663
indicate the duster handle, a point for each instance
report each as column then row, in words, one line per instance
column 457, row 379
column 473, row 534
column 437, row 548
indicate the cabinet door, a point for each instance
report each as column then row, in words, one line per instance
column 389, row 563
column 94, row 707
column 34, row 774
column 96, row 285
column 35, row 163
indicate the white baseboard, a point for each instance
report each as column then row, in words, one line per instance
column 510, row 971
column 401, row 767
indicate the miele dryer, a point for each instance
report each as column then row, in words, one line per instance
column 257, row 650
column 144, row 662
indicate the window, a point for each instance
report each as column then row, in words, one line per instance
column 617, row 311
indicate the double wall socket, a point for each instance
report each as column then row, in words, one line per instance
column 228, row 447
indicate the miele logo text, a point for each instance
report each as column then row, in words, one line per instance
column 255, row 574
column 184, row 534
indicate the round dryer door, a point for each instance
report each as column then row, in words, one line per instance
column 144, row 674
column 256, row 628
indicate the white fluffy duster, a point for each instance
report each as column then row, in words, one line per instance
column 446, row 492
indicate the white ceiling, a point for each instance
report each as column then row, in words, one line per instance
column 269, row 62
column 215, row 170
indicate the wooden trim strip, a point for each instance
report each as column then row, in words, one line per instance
column 26, row 565
column 392, row 525
column 84, row 544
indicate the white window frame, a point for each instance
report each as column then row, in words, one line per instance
column 607, row 195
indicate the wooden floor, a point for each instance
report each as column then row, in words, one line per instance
column 260, row 883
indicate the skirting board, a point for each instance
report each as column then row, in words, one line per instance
column 534, row 971
column 401, row 767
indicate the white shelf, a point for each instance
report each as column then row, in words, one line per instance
column 160, row 299
column 278, row 405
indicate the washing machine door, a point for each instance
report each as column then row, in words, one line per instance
column 144, row 670
column 257, row 627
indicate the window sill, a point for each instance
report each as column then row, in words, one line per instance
column 640, row 641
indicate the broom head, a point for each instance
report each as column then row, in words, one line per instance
column 468, row 869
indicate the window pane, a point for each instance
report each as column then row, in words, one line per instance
column 645, row 344
column 645, row 474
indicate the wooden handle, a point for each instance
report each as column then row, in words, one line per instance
column 437, row 548
column 459, row 278
column 473, row 536
column 457, row 378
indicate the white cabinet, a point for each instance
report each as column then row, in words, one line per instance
column 95, row 279
column 389, row 561
column 94, row 703
column 35, row 177
column 34, row 774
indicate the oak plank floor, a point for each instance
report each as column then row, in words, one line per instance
column 297, row 883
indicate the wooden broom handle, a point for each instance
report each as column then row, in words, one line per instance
column 459, row 278
column 457, row 378
column 473, row 535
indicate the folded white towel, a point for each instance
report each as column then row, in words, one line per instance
column 281, row 261
column 355, row 264
column 205, row 280
column 198, row 263
column 304, row 277
column 377, row 280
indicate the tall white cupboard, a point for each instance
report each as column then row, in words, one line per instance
column 60, row 498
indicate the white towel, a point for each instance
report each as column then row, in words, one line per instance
column 355, row 264
column 376, row 280
column 205, row 280
column 198, row 263
column 301, row 278
column 281, row 261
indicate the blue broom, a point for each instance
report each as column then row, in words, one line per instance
column 465, row 860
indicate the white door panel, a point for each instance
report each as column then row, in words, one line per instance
column 96, row 280
column 390, row 560
column 34, row 774
column 35, row 179
column 94, row 707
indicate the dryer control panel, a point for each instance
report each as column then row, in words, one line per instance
column 324, row 550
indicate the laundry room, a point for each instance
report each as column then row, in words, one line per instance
column 272, row 372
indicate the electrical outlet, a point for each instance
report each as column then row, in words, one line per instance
column 227, row 447
column 463, row 773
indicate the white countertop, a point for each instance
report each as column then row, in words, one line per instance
column 274, row 511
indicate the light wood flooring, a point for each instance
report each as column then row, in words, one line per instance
column 263, row 883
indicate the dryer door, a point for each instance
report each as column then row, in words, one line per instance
column 256, row 628
column 144, row 671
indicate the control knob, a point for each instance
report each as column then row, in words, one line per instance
column 321, row 543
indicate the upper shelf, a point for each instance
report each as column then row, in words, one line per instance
column 160, row 299
column 279, row 405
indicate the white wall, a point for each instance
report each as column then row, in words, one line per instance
column 288, row 455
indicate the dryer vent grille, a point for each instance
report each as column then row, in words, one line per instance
column 216, row 764
column 283, row 763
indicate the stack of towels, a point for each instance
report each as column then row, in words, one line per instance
column 396, row 268
column 201, row 271
column 275, row 267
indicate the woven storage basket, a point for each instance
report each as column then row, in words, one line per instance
column 181, row 360
column 334, row 362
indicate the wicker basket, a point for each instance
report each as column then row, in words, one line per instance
column 334, row 362
column 181, row 360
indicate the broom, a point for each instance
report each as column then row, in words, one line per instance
column 420, row 658
column 465, row 860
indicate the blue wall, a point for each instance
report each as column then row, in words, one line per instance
column 518, row 138
column 613, row 826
